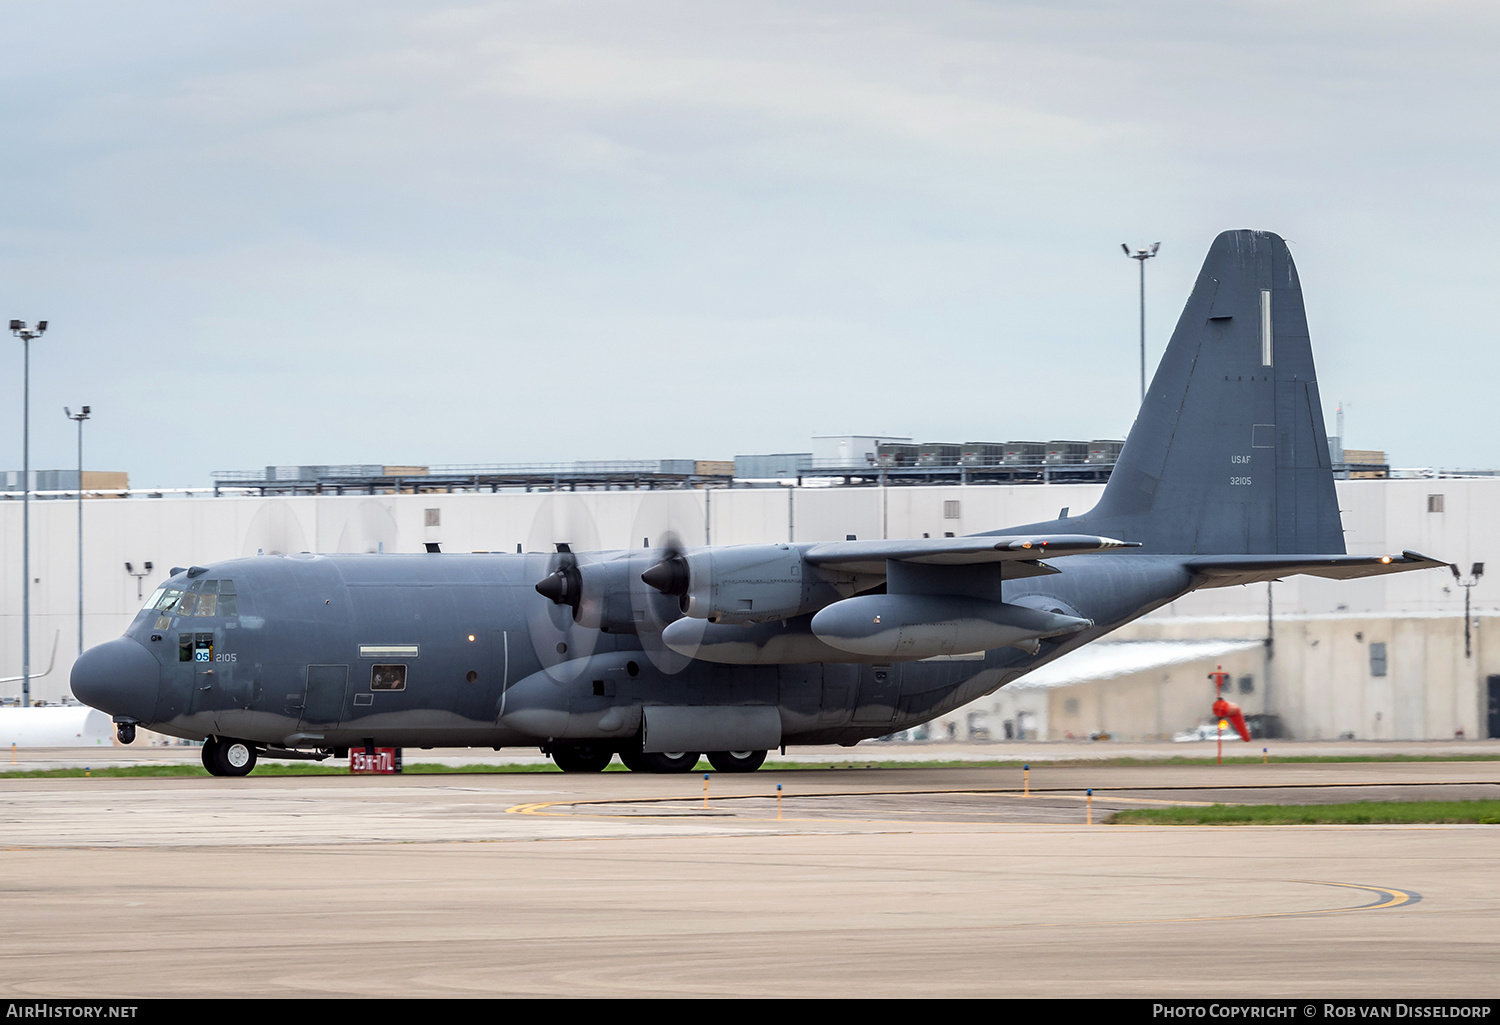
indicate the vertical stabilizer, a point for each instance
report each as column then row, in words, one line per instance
column 1229, row 454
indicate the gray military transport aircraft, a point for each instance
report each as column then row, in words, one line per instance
column 659, row 655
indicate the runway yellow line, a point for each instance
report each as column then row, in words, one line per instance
column 1397, row 899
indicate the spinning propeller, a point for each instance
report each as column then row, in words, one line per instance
column 560, row 636
column 667, row 524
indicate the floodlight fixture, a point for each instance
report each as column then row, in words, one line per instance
column 1475, row 572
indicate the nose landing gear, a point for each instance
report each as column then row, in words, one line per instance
column 225, row 756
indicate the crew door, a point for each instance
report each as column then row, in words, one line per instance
column 323, row 707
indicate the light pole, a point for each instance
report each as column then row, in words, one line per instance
column 1475, row 573
column 80, row 417
column 26, row 334
column 1141, row 256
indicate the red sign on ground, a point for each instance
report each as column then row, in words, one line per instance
column 383, row 760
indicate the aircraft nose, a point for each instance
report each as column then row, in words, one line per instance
column 120, row 678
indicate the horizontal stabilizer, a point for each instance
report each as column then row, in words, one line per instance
column 871, row 556
column 1227, row 570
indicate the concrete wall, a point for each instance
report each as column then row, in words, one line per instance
column 1321, row 683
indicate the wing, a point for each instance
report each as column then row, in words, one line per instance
column 1023, row 550
column 1227, row 570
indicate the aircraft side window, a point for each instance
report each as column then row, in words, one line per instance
column 388, row 677
column 188, row 604
column 184, row 647
column 207, row 605
column 165, row 598
column 151, row 603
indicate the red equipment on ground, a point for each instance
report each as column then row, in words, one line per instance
column 1228, row 709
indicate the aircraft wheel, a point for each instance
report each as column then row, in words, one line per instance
column 632, row 761
column 234, row 757
column 582, row 757
column 210, row 755
column 668, row 761
column 736, row 761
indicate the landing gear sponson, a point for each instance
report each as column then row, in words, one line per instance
column 575, row 756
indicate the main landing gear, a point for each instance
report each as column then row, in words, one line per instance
column 225, row 756
column 581, row 756
column 736, row 761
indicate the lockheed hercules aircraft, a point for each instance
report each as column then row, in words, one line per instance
column 663, row 654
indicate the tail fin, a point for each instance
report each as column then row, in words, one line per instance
column 1229, row 454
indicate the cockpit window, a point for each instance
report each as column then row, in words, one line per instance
column 216, row 598
column 202, row 598
column 164, row 598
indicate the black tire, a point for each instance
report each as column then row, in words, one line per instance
column 632, row 760
column 668, row 761
column 736, row 761
column 234, row 757
column 210, row 755
column 582, row 757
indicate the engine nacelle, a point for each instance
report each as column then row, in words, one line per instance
column 746, row 584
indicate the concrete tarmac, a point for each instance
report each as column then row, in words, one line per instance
column 873, row 882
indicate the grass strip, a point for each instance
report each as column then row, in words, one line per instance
column 1353, row 813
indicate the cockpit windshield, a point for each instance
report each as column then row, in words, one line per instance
column 201, row 598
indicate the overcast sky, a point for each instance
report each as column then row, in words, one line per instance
column 402, row 232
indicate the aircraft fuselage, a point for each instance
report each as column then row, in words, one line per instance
column 331, row 652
